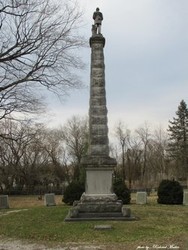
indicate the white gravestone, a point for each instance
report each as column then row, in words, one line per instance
column 4, row 201
column 49, row 199
column 141, row 198
column 185, row 197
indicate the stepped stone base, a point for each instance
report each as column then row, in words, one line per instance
column 98, row 207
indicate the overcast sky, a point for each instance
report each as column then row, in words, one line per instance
column 146, row 60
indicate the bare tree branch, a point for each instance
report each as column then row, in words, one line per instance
column 38, row 44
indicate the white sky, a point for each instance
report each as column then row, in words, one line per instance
column 146, row 60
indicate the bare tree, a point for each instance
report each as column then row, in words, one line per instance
column 123, row 135
column 75, row 134
column 19, row 154
column 160, row 160
column 38, row 43
column 144, row 135
column 134, row 160
column 31, row 156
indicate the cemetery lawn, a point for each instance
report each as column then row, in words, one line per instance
column 157, row 224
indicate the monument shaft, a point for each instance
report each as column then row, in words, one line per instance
column 98, row 129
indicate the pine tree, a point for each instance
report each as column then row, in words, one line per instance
column 178, row 139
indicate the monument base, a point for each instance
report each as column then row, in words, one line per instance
column 99, row 207
column 99, row 202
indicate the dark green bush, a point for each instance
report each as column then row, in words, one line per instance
column 170, row 192
column 122, row 192
column 73, row 192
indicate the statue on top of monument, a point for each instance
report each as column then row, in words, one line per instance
column 98, row 17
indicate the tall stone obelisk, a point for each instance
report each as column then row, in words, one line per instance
column 99, row 166
column 99, row 201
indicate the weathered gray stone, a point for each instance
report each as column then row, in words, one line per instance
column 100, row 207
column 126, row 212
column 98, row 119
column 73, row 213
column 49, row 199
column 98, row 198
column 99, row 181
column 103, row 227
column 98, row 91
column 4, row 201
column 98, row 110
column 141, row 198
column 101, row 161
column 185, row 197
column 98, row 149
column 98, row 141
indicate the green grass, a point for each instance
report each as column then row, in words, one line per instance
column 158, row 224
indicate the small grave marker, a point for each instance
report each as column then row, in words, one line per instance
column 126, row 211
column 141, row 198
column 4, row 201
column 49, row 199
column 185, row 197
column 103, row 227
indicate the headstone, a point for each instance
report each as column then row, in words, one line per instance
column 141, row 198
column 126, row 211
column 103, row 227
column 185, row 197
column 4, row 201
column 49, row 199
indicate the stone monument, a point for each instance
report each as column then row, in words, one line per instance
column 185, row 197
column 141, row 198
column 4, row 201
column 49, row 199
column 99, row 202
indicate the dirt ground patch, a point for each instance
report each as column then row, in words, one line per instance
column 10, row 244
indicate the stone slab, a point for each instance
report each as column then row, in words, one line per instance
column 141, row 198
column 185, row 197
column 122, row 218
column 49, row 199
column 100, row 207
column 98, row 181
column 103, row 227
column 96, row 198
column 4, row 201
column 126, row 211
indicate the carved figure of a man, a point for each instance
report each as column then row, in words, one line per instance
column 98, row 17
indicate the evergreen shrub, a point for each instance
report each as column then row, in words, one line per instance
column 170, row 192
column 121, row 190
column 73, row 192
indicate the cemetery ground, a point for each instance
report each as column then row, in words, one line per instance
column 29, row 222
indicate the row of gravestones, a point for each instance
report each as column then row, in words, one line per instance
column 141, row 197
column 49, row 200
